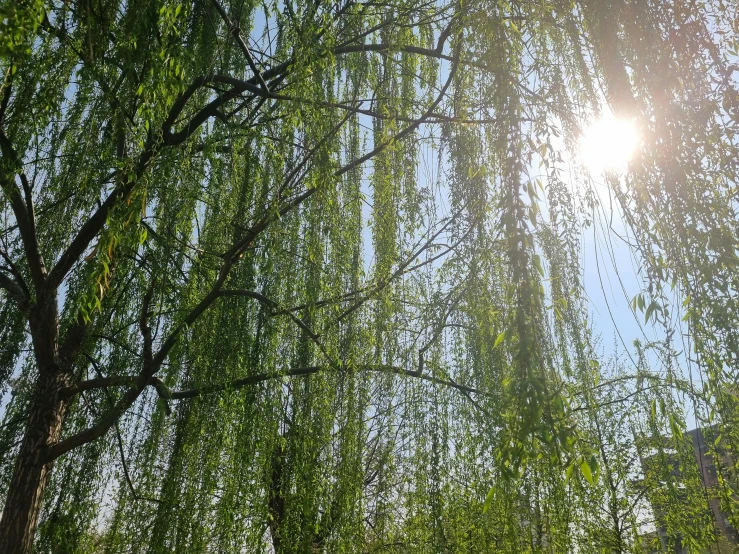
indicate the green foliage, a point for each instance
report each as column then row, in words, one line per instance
column 330, row 261
column 19, row 22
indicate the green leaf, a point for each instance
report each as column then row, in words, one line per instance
column 488, row 500
column 677, row 431
column 537, row 264
column 653, row 306
column 499, row 340
column 587, row 473
column 568, row 472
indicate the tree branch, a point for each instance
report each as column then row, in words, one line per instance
column 274, row 306
column 236, row 34
column 23, row 213
column 410, row 128
column 397, row 273
column 231, row 257
column 370, row 288
column 107, row 420
column 15, row 291
column 14, row 271
column 6, row 92
column 96, row 222
column 165, row 393
column 121, row 450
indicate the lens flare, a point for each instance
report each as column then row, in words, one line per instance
column 608, row 144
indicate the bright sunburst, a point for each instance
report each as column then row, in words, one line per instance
column 608, row 144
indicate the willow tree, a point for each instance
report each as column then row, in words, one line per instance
column 303, row 276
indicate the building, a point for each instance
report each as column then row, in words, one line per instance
column 669, row 460
column 709, row 476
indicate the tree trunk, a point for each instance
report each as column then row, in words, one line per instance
column 32, row 470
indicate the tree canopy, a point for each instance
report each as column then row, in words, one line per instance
column 305, row 276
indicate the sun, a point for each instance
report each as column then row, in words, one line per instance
column 608, row 144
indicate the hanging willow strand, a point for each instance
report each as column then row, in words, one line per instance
column 306, row 276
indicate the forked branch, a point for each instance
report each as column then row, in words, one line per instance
column 236, row 34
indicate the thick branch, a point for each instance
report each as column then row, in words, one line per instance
column 15, row 291
column 238, row 87
column 192, row 316
column 107, row 420
column 96, row 222
column 121, row 450
column 251, row 85
column 99, row 383
column 23, row 213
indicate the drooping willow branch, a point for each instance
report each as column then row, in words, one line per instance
column 119, row 440
column 165, row 393
column 96, row 222
column 230, row 259
column 373, row 287
column 275, row 306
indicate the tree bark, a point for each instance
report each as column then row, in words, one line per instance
column 32, row 467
